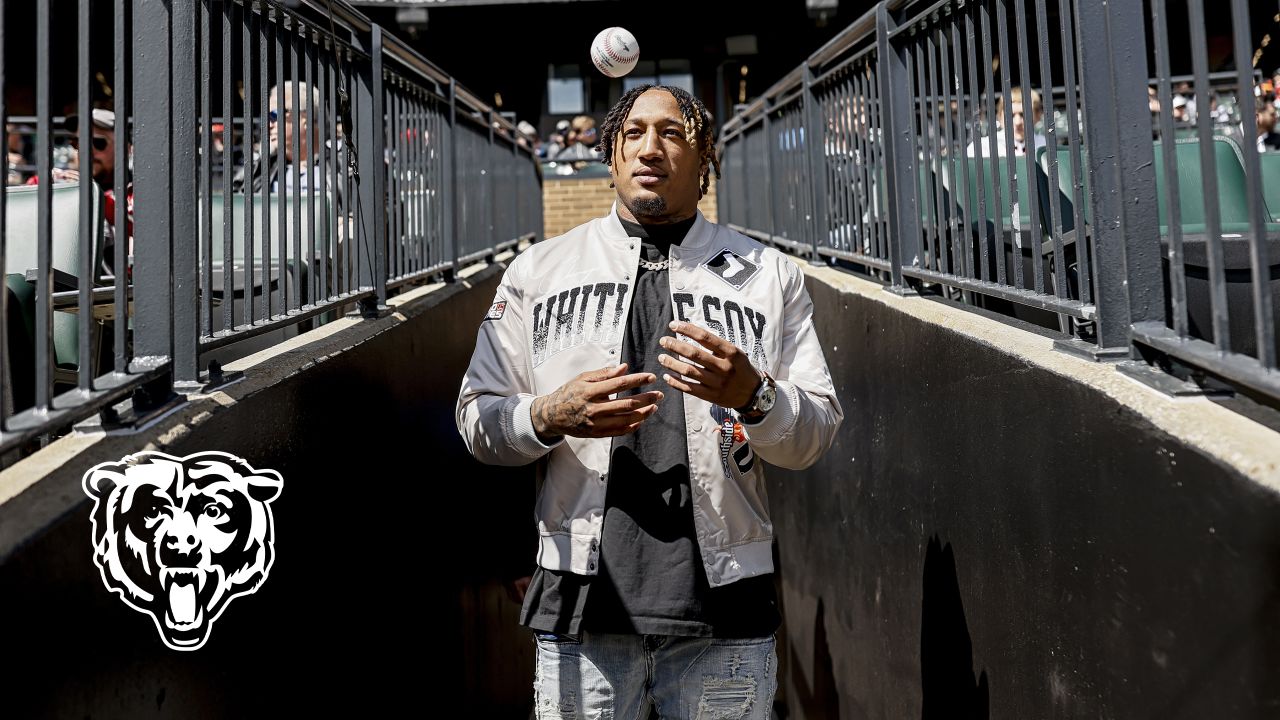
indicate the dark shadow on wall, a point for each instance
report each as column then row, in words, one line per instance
column 946, row 650
column 817, row 698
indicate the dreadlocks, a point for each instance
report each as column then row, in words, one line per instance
column 699, row 131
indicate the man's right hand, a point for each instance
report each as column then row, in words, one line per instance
column 582, row 408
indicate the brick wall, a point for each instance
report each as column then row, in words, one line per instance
column 569, row 202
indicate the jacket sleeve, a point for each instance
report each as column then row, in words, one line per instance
column 497, row 391
column 804, row 419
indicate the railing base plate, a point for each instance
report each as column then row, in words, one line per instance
column 1169, row 384
column 1091, row 352
column 123, row 419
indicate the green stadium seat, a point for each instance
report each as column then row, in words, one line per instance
column 1233, row 204
column 21, row 258
column 1270, row 162
column 995, row 170
column 297, row 271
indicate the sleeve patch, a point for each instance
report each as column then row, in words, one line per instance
column 496, row 310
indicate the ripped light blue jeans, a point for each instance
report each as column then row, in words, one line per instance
column 617, row 677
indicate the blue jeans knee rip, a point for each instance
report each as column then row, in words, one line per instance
column 732, row 697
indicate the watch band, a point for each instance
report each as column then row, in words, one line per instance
column 749, row 410
column 752, row 409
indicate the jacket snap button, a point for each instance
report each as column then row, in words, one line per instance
column 697, row 427
column 591, row 566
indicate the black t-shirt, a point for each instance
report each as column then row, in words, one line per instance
column 651, row 578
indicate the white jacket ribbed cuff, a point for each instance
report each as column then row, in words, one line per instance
column 519, row 426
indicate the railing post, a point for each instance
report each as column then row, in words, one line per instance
column 371, row 131
column 899, row 152
column 490, row 185
column 451, row 189
column 517, row 186
column 769, row 146
column 1125, row 242
column 185, row 194
column 152, row 271
column 815, row 155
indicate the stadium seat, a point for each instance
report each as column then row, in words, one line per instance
column 1270, row 162
column 1233, row 204
column 21, row 259
column 1236, row 230
column 298, row 272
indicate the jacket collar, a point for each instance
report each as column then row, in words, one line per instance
column 697, row 239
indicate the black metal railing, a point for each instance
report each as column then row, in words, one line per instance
column 274, row 164
column 886, row 150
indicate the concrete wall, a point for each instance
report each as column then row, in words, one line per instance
column 391, row 546
column 1000, row 531
column 569, row 201
column 1005, row 531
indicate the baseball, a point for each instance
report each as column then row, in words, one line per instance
column 615, row 51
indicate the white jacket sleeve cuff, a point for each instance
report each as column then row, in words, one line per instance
column 518, row 424
column 778, row 424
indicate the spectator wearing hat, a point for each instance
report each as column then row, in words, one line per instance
column 103, row 153
column 527, row 136
column 558, row 140
column 1184, row 103
column 1180, row 112
column 102, row 167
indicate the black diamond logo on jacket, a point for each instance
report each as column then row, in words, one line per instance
column 731, row 268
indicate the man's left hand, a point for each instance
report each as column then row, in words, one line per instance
column 720, row 370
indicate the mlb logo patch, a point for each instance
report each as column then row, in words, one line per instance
column 732, row 268
column 496, row 310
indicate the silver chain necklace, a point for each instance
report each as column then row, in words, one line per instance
column 660, row 265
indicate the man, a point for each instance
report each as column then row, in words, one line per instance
column 1265, row 113
column 102, row 166
column 558, row 140
column 654, row 582
column 1181, row 115
column 1019, row 127
column 306, row 170
column 581, row 142
column 103, row 153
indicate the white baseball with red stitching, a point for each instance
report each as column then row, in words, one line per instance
column 615, row 51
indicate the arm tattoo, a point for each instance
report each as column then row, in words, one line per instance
column 556, row 410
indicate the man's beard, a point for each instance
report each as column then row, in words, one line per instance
column 655, row 206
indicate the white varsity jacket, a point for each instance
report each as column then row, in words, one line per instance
column 562, row 308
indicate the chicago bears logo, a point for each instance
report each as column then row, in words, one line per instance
column 179, row 538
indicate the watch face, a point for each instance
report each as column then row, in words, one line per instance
column 768, row 395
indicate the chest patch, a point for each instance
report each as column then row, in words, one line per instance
column 735, row 270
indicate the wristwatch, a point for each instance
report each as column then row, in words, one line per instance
column 762, row 402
